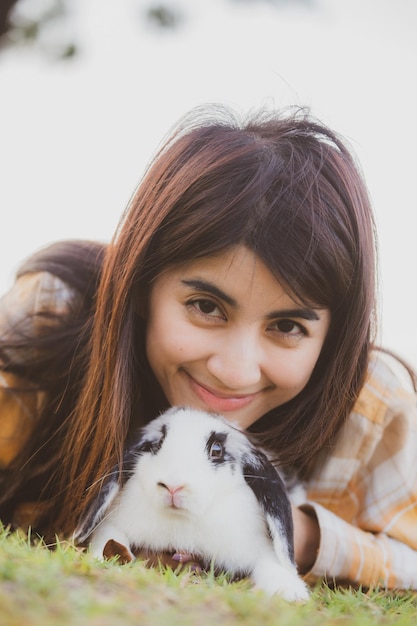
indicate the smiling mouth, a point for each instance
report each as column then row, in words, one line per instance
column 218, row 401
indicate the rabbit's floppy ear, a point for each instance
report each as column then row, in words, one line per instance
column 271, row 493
column 98, row 509
column 112, row 484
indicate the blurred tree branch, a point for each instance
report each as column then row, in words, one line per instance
column 24, row 22
column 6, row 7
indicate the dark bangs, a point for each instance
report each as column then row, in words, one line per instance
column 222, row 184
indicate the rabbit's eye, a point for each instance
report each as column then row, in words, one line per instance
column 217, row 450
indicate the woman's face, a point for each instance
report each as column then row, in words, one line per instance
column 223, row 336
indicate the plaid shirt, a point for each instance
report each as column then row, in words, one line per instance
column 363, row 491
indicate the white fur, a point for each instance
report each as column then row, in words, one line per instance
column 218, row 516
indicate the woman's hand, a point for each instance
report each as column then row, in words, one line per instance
column 306, row 539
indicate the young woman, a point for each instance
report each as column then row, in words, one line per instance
column 241, row 280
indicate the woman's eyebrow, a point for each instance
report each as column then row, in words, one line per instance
column 202, row 285
column 303, row 313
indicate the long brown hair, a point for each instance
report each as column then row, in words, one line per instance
column 287, row 187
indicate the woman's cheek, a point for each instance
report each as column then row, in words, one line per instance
column 292, row 369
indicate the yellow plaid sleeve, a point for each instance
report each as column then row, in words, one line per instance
column 364, row 493
column 18, row 412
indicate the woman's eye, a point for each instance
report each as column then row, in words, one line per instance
column 289, row 327
column 216, row 450
column 206, row 307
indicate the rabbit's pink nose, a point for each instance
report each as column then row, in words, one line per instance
column 175, row 499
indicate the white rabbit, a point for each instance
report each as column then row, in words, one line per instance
column 195, row 484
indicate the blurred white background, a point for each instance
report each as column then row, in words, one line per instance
column 77, row 134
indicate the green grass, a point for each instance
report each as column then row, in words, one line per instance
column 64, row 586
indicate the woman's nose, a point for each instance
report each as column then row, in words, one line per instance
column 237, row 364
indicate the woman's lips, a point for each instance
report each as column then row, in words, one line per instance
column 220, row 402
